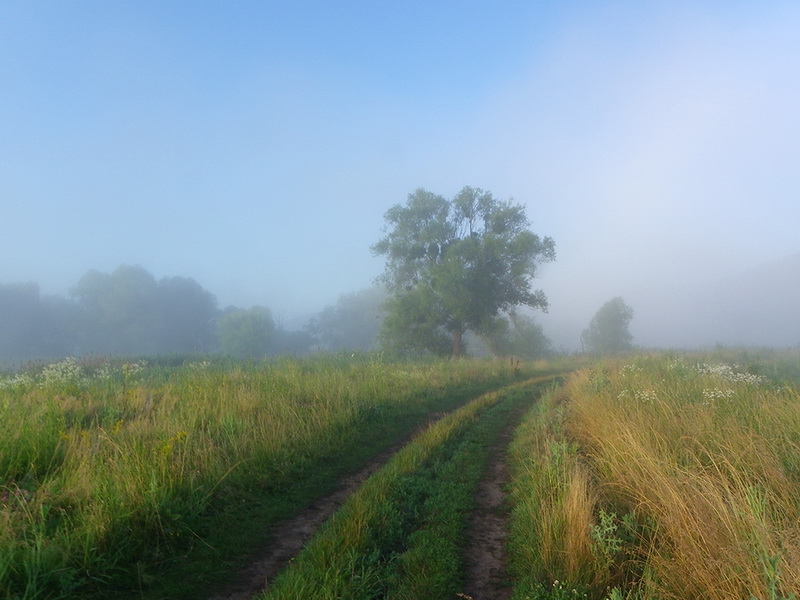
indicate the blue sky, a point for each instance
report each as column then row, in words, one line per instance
column 255, row 146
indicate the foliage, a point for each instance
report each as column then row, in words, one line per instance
column 453, row 266
column 129, row 312
column 291, row 343
column 247, row 333
column 517, row 335
column 353, row 323
column 413, row 324
column 32, row 326
column 608, row 330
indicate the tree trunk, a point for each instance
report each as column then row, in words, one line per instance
column 457, row 342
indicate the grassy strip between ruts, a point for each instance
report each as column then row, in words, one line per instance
column 399, row 536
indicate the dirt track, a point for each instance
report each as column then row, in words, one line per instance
column 289, row 537
column 487, row 531
column 484, row 555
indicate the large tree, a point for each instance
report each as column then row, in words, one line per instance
column 119, row 311
column 187, row 315
column 608, row 330
column 454, row 266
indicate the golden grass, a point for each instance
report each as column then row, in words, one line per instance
column 708, row 474
column 704, row 466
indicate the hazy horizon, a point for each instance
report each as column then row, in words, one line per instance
column 256, row 147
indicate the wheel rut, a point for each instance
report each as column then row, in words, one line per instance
column 287, row 538
column 485, row 558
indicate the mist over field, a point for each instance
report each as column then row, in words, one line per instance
column 754, row 307
column 250, row 152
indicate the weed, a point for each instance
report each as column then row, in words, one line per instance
column 605, row 537
column 772, row 576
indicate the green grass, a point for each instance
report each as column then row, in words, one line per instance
column 113, row 475
column 431, row 565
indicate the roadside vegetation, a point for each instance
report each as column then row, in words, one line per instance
column 669, row 477
column 114, row 474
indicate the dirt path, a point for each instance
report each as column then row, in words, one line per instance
column 289, row 537
column 487, row 530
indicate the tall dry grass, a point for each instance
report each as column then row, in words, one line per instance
column 694, row 477
column 553, row 506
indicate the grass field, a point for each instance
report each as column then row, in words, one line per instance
column 112, row 474
column 650, row 477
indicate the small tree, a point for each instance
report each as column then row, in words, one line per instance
column 454, row 266
column 247, row 333
column 518, row 335
column 608, row 330
column 353, row 323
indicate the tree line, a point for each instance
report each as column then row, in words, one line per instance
column 128, row 312
column 458, row 276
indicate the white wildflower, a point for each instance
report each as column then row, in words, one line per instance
column 729, row 373
column 645, row 395
column 717, row 394
column 65, row 371
column 629, row 369
column 20, row 380
column 678, row 363
column 130, row 370
column 103, row 373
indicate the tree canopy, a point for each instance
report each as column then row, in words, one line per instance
column 32, row 326
column 454, row 266
column 517, row 335
column 608, row 330
column 129, row 312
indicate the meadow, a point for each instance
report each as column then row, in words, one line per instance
column 400, row 535
column 113, row 475
column 649, row 477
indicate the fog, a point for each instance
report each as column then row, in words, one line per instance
column 254, row 148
